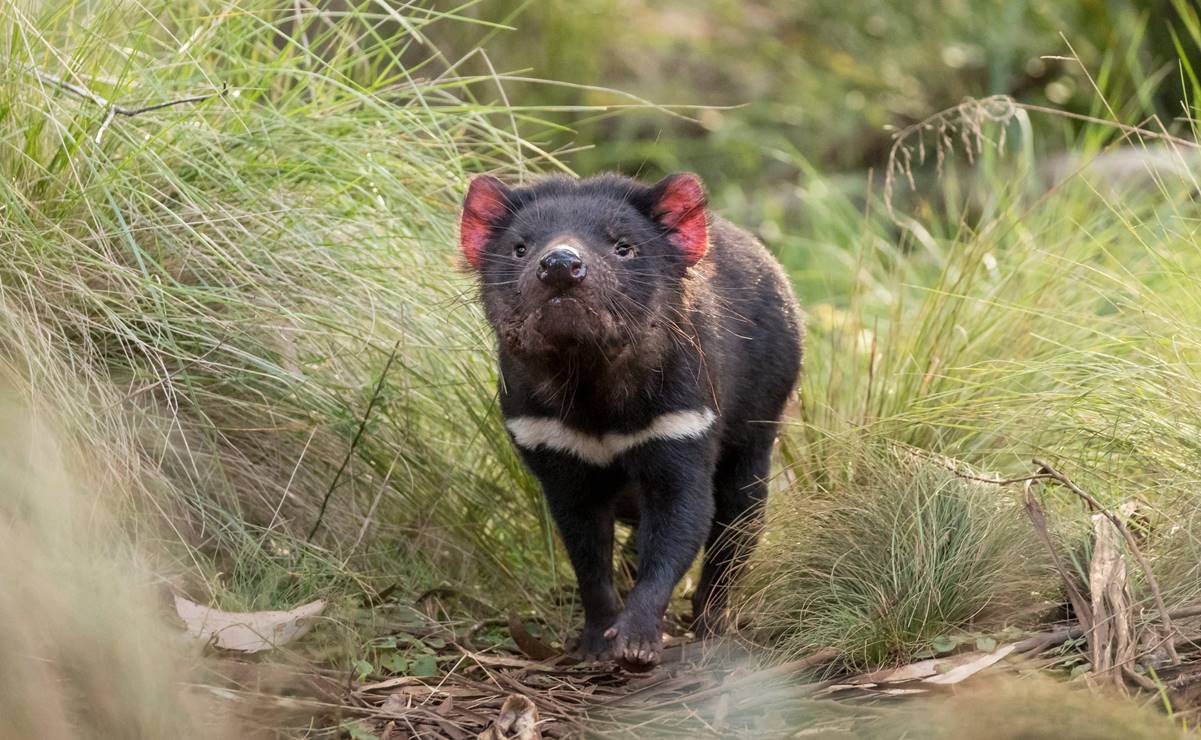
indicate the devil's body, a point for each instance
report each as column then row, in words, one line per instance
column 661, row 382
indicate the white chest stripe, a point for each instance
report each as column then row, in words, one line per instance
column 532, row 432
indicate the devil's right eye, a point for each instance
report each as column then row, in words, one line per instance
column 519, row 250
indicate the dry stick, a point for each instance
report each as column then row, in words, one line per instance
column 1040, row 641
column 1046, row 472
column 1043, row 640
column 1152, row 583
column 354, row 443
column 113, row 110
column 1038, row 518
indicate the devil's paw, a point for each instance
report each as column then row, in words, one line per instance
column 591, row 646
column 635, row 643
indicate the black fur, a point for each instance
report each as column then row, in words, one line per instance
column 641, row 336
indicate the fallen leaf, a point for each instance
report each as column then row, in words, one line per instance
column 518, row 720
column 390, row 683
column 531, row 646
column 971, row 668
column 247, row 632
column 394, row 705
column 846, row 686
column 920, row 669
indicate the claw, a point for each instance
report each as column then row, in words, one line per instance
column 635, row 646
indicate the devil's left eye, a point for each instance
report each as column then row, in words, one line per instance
column 624, row 249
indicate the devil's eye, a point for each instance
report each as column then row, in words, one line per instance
column 519, row 250
column 624, row 249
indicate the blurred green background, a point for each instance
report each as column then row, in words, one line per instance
column 819, row 80
column 799, row 99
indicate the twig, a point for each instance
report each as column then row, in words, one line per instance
column 1139, row 679
column 112, row 110
column 379, row 386
column 1080, row 605
column 1047, row 472
column 1000, row 481
column 1152, row 583
column 953, row 466
column 1042, row 640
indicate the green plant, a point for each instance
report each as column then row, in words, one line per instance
column 212, row 289
column 893, row 551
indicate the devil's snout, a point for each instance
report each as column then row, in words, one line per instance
column 562, row 268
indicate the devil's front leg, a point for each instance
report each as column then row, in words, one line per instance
column 676, row 510
column 581, row 499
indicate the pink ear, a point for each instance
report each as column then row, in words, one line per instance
column 680, row 205
column 486, row 203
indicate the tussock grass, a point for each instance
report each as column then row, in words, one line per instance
column 892, row 551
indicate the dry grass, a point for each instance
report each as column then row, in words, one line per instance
column 85, row 650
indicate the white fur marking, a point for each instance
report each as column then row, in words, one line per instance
column 532, row 432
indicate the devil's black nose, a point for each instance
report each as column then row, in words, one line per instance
column 561, row 267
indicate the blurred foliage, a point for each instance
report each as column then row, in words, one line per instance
column 801, row 87
column 821, row 77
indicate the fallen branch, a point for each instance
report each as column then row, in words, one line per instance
column 1041, row 641
column 1131, row 543
column 1038, row 519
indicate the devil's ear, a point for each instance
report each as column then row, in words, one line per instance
column 486, row 204
column 678, row 202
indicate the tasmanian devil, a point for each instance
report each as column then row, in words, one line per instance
column 647, row 348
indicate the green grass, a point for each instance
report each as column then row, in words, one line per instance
column 84, row 651
column 219, row 285
column 1059, row 324
column 891, row 552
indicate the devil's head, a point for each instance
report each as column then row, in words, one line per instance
column 583, row 267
